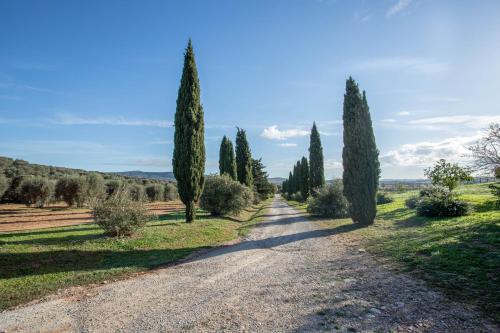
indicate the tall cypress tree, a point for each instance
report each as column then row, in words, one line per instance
column 359, row 156
column 290, row 183
column 227, row 161
column 243, row 159
column 304, row 178
column 316, row 163
column 189, row 145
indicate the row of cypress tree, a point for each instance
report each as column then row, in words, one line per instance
column 239, row 166
column 359, row 159
column 307, row 175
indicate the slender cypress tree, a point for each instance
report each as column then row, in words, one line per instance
column 227, row 161
column 359, row 156
column 316, row 164
column 189, row 145
column 243, row 159
column 304, row 178
column 290, row 183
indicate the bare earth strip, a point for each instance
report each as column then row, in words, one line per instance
column 287, row 276
column 16, row 217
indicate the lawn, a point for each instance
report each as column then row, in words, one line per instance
column 39, row 262
column 460, row 255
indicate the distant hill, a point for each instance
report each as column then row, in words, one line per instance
column 276, row 180
column 148, row 175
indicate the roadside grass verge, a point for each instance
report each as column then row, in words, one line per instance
column 37, row 263
column 459, row 255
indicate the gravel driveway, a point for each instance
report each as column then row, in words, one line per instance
column 287, row 276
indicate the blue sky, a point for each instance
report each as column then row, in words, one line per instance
column 93, row 84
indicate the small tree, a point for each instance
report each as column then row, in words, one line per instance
column 37, row 191
column 112, row 186
column 446, row 174
column 227, row 160
column 95, row 188
column 72, row 190
column 154, row 192
column 328, row 201
column 260, row 180
column 119, row 215
column 243, row 159
column 170, row 192
column 304, row 178
column 222, row 196
column 136, row 192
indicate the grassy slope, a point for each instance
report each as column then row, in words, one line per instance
column 459, row 255
column 36, row 263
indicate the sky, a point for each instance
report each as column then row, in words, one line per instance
column 93, row 84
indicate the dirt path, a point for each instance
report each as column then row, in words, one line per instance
column 288, row 276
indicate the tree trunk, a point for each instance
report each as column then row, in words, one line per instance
column 190, row 212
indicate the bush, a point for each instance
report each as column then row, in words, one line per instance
column 439, row 201
column 95, row 188
column 328, row 201
column 411, row 202
column 136, row 192
column 222, row 196
column 119, row 215
column 297, row 196
column 170, row 192
column 4, row 185
column 72, row 190
column 112, row 186
column 495, row 190
column 36, row 191
column 383, row 198
column 154, row 192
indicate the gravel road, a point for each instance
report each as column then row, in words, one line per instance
column 287, row 276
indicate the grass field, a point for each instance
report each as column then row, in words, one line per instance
column 39, row 262
column 460, row 255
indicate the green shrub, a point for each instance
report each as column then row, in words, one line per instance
column 119, row 215
column 495, row 190
column 328, row 201
column 154, row 192
column 72, row 190
column 222, row 196
column 112, row 186
column 439, row 201
column 411, row 202
column 4, row 185
column 37, row 191
column 297, row 196
column 136, row 192
column 170, row 192
column 95, row 188
column 383, row 198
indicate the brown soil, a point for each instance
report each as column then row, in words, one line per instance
column 16, row 217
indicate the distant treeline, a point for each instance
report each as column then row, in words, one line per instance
column 38, row 185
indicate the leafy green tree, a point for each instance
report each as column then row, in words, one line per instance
column 154, row 192
column 304, row 178
column 37, row 191
column 72, row 190
column 290, row 183
column 227, row 160
column 224, row 196
column 447, row 174
column 95, row 188
column 189, row 145
column 359, row 156
column 243, row 159
column 260, row 180
column 316, row 163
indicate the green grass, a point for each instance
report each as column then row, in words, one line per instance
column 36, row 263
column 459, row 255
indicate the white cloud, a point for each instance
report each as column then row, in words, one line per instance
column 328, row 133
column 398, row 7
column 287, row 144
column 465, row 120
column 388, row 120
column 412, row 64
column 404, row 113
column 425, row 153
column 332, row 164
column 68, row 119
column 273, row 133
